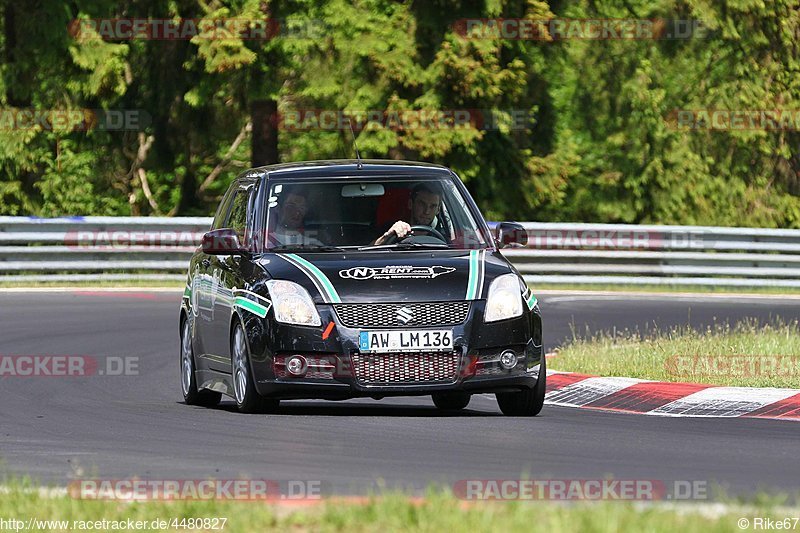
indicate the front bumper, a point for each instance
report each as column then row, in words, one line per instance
column 478, row 346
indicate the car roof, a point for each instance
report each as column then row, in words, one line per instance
column 350, row 168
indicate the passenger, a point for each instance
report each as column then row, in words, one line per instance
column 289, row 225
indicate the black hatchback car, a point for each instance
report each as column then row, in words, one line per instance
column 345, row 279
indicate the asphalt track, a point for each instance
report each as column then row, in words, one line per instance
column 56, row 429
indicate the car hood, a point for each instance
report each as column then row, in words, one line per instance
column 390, row 276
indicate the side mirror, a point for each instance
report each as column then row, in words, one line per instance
column 511, row 234
column 223, row 241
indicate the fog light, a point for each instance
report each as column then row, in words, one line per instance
column 508, row 360
column 297, row 365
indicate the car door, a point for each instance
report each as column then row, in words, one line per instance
column 202, row 284
column 226, row 274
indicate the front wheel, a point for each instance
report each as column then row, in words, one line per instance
column 451, row 401
column 192, row 396
column 248, row 400
column 528, row 402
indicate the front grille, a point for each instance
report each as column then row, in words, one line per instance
column 406, row 368
column 393, row 315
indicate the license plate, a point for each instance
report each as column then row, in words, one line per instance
column 405, row 341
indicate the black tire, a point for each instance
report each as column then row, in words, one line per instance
column 528, row 402
column 451, row 401
column 247, row 398
column 192, row 396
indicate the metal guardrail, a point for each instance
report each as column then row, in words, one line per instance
column 149, row 248
column 613, row 254
column 98, row 248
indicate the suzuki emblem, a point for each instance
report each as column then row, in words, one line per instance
column 405, row 315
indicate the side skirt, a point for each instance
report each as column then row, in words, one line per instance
column 216, row 381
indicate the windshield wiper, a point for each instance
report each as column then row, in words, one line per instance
column 405, row 246
column 306, row 248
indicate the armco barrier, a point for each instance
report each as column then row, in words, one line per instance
column 662, row 255
column 97, row 248
column 115, row 248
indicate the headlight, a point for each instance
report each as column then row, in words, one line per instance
column 293, row 305
column 505, row 299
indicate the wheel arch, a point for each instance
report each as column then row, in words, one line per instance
column 184, row 316
column 255, row 331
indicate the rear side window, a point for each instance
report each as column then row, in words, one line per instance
column 237, row 219
column 221, row 218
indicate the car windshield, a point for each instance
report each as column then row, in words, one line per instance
column 332, row 214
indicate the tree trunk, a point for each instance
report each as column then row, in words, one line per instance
column 265, row 132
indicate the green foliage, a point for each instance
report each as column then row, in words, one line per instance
column 601, row 146
column 634, row 167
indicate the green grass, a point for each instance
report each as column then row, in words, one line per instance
column 746, row 354
column 439, row 511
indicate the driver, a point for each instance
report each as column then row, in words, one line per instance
column 424, row 204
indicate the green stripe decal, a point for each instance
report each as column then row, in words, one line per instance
column 531, row 301
column 250, row 305
column 187, row 292
column 330, row 292
column 472, row 282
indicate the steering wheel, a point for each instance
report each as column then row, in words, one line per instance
column 433, row 232
column 393, row 238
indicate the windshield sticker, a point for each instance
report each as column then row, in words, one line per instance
column 395, row 272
